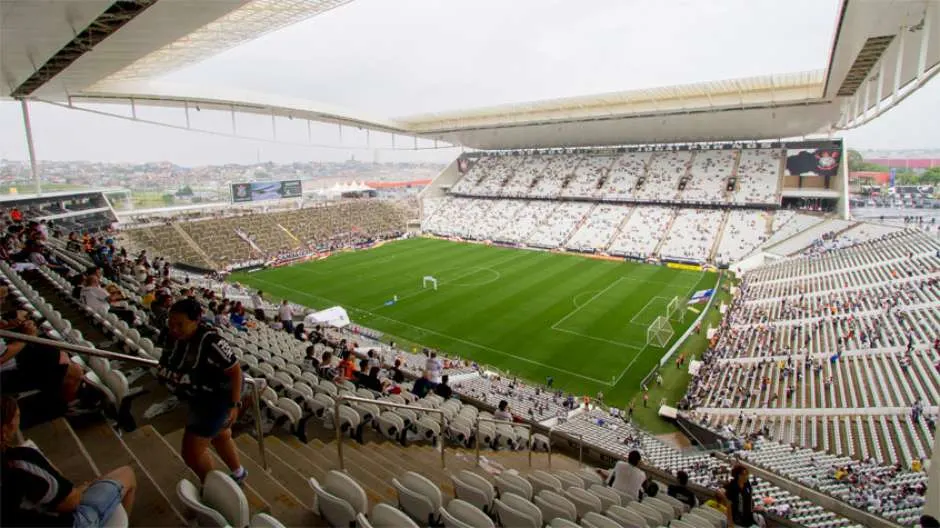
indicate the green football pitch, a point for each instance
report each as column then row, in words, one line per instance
column 532, row 313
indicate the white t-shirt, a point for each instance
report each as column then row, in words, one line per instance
column 97, row 298
column 628, row 479
column 435, row 369
column 256, row 302
column 284, row 312
column 502, row 415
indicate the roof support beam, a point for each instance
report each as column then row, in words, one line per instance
column 881, row 84
column 925, row 40
column 898, row 63
column 111, row 20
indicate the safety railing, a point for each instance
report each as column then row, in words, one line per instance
column 476, row 433
column 105, row 354
column 417, row 410
column 551, row 431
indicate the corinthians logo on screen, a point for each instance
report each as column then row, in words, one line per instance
column 826, row 160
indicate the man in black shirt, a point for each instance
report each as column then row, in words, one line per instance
column 739, row 493
column 200, row 368
column 681, row 490
column 443, row 389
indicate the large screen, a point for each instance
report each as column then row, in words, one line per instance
column 257, row 191
column 814, row 158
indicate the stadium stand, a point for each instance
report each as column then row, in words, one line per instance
column 846, row 336
column 221, row 242
column 708, row 176
column 298, row 402
column 758, row 177
column 641, row 234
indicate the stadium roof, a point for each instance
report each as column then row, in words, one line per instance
column 110, row 51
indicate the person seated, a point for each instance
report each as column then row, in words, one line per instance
column 443, row 389
column 681, row 490
column 27, row 366
column 371, row 381
column 34, row 493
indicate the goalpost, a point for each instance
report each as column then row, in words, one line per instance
column 429, row 280
column 659, row 332
column 675, row 308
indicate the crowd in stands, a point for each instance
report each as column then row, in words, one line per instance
column 748, row 176
column 259, row 236
column 851, row 325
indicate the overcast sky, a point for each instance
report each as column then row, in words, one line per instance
column 389, row 58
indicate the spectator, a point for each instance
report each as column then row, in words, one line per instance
column 929, row 521
column 326, row 370
column 347, row 367
column 286, row 315
column 434, row 368
column 681, row 490
column 310, row 362
column 26, row 366
column 101, row 300
column 299, row 333
column 398, row 376
column 627, row 477
column 257, row 304
column 422, row 386
column 741, row 496
column 443, row 389
column 502, row 411
column 199, row 367
column 237, row 318
column 371, row 381
column 34, row 493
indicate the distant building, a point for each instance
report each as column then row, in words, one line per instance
column 914, row 164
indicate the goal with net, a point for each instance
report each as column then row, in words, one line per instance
column 659, row 332
column 674, row 309
column 429, row 280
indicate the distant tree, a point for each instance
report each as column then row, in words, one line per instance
column 186, row 190
column 168, row 199
column 931, row 176
column 855, row 160
column 907, row 178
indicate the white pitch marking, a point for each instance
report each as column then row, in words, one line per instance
column 459, row 340
column 589, row 301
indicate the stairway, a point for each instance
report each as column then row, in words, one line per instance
column 734, row 174
column 192, row 243
column 579, row 225
column 84, row 449
column 617, row 231
column 721, row 235
column 287, row 232
column 659, row 245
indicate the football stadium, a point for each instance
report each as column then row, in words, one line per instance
column 651, row 307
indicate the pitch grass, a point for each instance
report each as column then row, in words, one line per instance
column 534, row 314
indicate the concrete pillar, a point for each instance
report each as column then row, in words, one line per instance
column 34, row 167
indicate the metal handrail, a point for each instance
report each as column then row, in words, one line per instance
column 80, row 349
column 339, row 434
column 505, row 422
column 551, row 431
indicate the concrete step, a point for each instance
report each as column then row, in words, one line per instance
column 108, row 451
column 162, row 461
column 284, row 470
column 376, row 490
column 61, row 445
column 285, row 505
column 255, row 503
